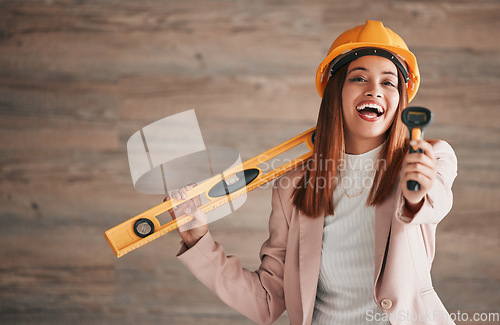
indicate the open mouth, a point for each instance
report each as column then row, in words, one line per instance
column 370, row 110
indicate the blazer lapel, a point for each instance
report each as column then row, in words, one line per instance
column 310, row 244
column 383, row 222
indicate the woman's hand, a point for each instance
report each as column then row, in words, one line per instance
column 192, row 231
column 420, row 167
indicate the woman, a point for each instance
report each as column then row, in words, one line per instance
column 348, row 243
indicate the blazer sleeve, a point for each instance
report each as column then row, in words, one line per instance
column 256, row 294
column 439, row 199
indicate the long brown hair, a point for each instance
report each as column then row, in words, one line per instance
column 313, row 194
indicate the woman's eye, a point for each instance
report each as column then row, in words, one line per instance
column 389, row 83
column 357, row 79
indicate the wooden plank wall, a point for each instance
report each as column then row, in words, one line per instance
column 77, row 78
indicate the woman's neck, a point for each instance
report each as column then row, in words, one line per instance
column 360, row 146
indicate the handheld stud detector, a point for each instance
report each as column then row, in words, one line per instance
column 416, row 119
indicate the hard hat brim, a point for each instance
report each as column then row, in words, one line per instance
column 404, row 54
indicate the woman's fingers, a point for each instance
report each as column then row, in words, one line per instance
column 425, row 146
column 190, row 186
column 419, row 167
column 192, row 231
column 419, row 158
column 170, row 211
column 181, row 194
column 421, row 162
column 197, row 199
column 422, row 179
column 427, row 170
column 199, row 220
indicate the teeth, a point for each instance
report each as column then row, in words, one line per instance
column 371, row 105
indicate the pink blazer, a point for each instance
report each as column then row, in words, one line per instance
column 288, row 275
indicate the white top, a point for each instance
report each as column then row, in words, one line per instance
column 345, row 286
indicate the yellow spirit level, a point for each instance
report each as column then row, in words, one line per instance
column 218, row 189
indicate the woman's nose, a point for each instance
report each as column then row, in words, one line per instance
column 373, row 91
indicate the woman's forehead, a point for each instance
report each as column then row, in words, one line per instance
column 373, row 63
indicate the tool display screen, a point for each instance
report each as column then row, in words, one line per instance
column 417, row 117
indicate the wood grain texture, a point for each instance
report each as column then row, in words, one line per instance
column 77, row 78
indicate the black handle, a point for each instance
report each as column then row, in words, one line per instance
column 413, row 185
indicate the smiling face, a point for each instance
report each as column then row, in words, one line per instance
column 370, row 99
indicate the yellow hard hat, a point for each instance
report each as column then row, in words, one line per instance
column 365, row 40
